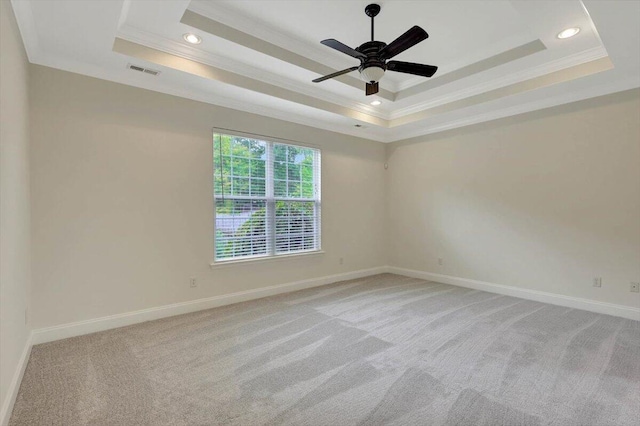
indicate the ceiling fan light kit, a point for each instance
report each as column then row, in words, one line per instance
column 371, row 74
column 373, row 55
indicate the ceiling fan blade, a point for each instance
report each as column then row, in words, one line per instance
column 335, row 74
column 411, row 68
column 412, row 37
column 335, row 44
column 371, row 89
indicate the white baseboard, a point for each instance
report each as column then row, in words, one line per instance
column 14, row 386
column 64, row 331
column 539, row 296
column 79, row 328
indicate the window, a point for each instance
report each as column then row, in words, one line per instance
column 267, row 198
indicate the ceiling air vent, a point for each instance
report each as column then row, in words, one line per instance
column 143, row 69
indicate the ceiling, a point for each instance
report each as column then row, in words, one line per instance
column 496, row 58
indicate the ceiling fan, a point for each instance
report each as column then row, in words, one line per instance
column 373, row 55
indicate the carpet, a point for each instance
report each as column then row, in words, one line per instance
column 382, row 350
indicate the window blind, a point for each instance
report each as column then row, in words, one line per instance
column 267, row 197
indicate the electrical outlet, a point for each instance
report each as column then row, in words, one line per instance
column 597, row 282
column 440, row 261
column 342, row 260
column 634, row 287
column 193, row 283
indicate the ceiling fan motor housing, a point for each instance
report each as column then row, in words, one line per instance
column 373, row 67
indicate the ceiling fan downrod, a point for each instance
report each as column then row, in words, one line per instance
column 372, row 10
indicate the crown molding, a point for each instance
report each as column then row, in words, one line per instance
column 509, row 43
column 222, row 101
column 252, row 28
column 162, row 58
column 173, row 47
column 154, row 41
column 506, row 80
column 398, row 135
column 179, row 49
column 124, row 13
column 602, row 90
column 346, row 110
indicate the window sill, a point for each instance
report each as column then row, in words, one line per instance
column 260, row 259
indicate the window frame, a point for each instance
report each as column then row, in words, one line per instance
column 270, row 200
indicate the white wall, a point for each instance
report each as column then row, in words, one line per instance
column 14, row 199
column 545, row 201
column 122, row 200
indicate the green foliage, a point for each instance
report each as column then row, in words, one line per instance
column 251, row 236
column 254, row 227
column 223, row 246
column 293, row 172
column 240, row 166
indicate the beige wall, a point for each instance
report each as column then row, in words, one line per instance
column 117, row 181
column 121, row 195
column 14, row 198
column 545, row 201
column 122, row 200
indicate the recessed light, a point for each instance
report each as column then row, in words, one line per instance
column 376, row 103
column 569, row 32
column 192, row 38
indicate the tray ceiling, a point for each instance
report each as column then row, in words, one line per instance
column 495, row 58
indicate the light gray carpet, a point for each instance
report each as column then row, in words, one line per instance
column 381, row 350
